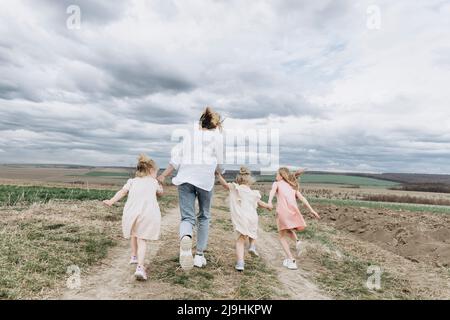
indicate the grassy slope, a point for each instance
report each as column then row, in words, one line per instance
column 38, row 244
column 335, row 269
column 50, row 229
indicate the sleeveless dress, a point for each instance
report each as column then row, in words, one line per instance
column 288, row 213
column 243, row 205
column 141, row 214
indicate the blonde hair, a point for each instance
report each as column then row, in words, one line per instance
column 245, row 177
column 145, row 166
column 210, row 119
column 289, row 177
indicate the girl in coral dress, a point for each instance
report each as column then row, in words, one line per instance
column 289, row 218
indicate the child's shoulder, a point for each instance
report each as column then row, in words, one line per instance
column 257, row 193
column 146, row 178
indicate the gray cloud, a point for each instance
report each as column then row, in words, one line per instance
column 343, row 96
column 93, row 12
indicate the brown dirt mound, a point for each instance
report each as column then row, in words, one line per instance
column 418, row 237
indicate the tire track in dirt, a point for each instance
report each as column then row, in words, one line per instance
column 114, row 280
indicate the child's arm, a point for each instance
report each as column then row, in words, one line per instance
column 271, row 195
column 222, row 180
column 166, row 173
column 118, row 196
column 306, row 203
column 160, row 190
column 264, row 205
column 299, row 172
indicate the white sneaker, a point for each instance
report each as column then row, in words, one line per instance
column 140, row 273
column 240, row 266
column 253, row 252
column 199, row 261
column 290, row 264
column 134, row 260
column 186, row 260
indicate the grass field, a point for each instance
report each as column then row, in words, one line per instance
column 37, row 245
column 15, row 195
column 344, row 179
column 44, row 229
column 338, row 179
column 385, row 205
column 108, row 174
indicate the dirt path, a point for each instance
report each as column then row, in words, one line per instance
column 295, row 282
column 114, row 279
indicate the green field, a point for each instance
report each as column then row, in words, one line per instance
column 344, row 179
column 107, row 174
column 374, row 204
column 13, row 195
column 382, row 205
column 310, row 178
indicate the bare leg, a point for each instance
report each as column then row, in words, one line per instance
column 292, row 235
column 134, row 246
column 142, row 249
column 285, row 244
column 252, row 242
column 240, row 244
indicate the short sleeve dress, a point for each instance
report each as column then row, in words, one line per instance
column 243, row 205
column 288, row 213
column 141, row 214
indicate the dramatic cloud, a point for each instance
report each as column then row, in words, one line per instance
column 348, row 91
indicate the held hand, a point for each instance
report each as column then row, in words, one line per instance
column 108, row 203
column 161, row 179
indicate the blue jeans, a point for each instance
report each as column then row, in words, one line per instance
column 187, row 194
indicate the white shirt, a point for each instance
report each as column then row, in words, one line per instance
column 197, row 157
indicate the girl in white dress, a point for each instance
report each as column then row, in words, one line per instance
column 243, row 204
column 141, row 220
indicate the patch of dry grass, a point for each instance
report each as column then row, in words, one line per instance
column 38, row 244
column 406, row 199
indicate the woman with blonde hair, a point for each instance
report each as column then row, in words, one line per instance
column 289, row 218
column 141, row 220
column 195, row 180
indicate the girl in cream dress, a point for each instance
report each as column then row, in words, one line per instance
column 141, row 220
column 243, row 207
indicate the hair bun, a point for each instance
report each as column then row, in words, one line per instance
column 143, row 159
column 244, row 171
column 210, row 119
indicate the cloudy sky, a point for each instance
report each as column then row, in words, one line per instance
column 348, row 91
